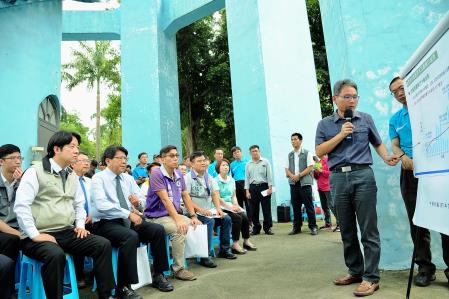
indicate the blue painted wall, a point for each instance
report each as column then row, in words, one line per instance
column 369, row 41
column 30, row 64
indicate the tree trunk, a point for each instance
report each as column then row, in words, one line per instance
column 191, row 144
column 97, row 131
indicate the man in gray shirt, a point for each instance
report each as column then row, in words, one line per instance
column 346, row 138
column 258, row 178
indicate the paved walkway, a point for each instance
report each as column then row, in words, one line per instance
column 300, row 266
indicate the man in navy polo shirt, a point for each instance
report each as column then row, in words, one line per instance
column 167, row 186
column 401, row 142
column 353, row 185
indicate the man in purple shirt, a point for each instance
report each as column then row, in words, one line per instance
column 167, row 187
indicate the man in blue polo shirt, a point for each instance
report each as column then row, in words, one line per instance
column 401, row 142
column 238, row 173
column 167, row 186
column 353, row 185
column 140, row 171
column 218, row 155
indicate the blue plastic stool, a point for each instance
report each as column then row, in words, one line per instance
column 30, row 277
column 114, row 269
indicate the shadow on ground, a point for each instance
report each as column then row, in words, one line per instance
column 300, row 266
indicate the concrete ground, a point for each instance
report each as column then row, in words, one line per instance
column 300, row 266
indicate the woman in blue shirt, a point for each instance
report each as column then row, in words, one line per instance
column 230, row 205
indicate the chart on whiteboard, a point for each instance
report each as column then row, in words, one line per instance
column 427, row 89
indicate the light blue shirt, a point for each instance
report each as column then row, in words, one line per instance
column 401, row 128
column 238, row 169
column 104, row 201
column 211, row 169
column 138, row 171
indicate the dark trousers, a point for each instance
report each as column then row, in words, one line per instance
column 239, row 223
column 355, row 197
column 327, row 206
column 225, row 231
column 126, row 240
column 6, row 276
column 299, row 196
column 256, row 201
column 240, row 193
column 421, row 241
column 9, row 245
column 53, row 258
column 78, row 260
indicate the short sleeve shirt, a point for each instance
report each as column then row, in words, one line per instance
column 199, row 190
column 401, row 128
column 160, row 180
column 355, row 150
column 227, row 188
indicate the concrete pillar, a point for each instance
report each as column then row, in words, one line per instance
column 274, row 86
column 369, row 41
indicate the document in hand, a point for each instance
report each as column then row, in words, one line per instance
column 196, row 242
column 265, row 192
column 229, row 210
column 214, row 214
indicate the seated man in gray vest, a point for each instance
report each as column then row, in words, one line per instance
column 299, row 173
column 10, row 174
column 48, row 201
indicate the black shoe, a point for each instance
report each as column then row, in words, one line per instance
column 249, row 248
column 227, row 255
column 254, row 232
column 238, row 252
column 269, row 232
column 294, row 232
column 424, row 279
column 208, row 262
column 314, row 231
column 127, row 293
column 161, row 283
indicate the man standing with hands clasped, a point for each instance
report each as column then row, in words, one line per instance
column 401, row 142
column 353, row 185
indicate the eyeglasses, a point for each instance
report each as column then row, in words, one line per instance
column 349, row 97
column 121, row 158
column 84, row 161
column 396, row 91
column 172, row 155
column 15, row 158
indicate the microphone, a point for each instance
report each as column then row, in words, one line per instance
column 348, row 116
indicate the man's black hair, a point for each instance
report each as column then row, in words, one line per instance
column 196, row 154
column 151, row 165
column 141, row 154
column 110, row 151
column 8, row 149
column 297, row 135
column 60, row 139
column 94, row 163
column 394, row 80
column 165, row 150
column 235, row 148
column 253, row 147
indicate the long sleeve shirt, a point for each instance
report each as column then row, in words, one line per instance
column 258, row 172
column 322, row 177
column 27, row 192
column 104, row 200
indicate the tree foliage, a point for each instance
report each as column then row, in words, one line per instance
column 72, row 122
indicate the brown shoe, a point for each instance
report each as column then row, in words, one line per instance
column 184, row 274
column 366, row 288
column 347, row 279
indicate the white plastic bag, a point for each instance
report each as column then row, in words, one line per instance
column 143, row 268
column 196, row 242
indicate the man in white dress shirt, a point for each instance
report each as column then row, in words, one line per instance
column 49, row 201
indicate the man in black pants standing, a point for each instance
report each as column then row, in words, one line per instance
column 299, row 173
column 258, row 178
column 48, row 201
column 116, row 199
column 237, row 169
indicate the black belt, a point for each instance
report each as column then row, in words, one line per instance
column 349, row 167
column 258, row 185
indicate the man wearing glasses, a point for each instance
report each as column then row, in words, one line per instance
column 401, row 141
column 10, row 174
column 346, row 141
column 167, row 189
column 116, row 199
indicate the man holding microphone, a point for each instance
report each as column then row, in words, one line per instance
column 346, row 138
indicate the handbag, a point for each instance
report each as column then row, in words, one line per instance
column 143, row 268
column 196, row 242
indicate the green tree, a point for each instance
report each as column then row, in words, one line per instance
column 95, row 65
column 72, row 122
